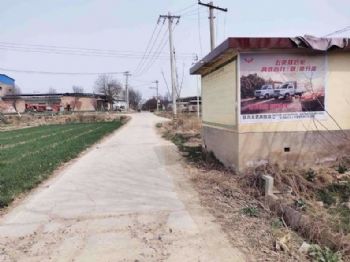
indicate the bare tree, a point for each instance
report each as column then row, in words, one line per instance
column 135, row 98
column 78, row 89
column 16, row 91
column 52, row 90
column 111, row 88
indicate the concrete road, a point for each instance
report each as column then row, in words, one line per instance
column 127, row 199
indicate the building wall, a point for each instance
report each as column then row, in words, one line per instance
column 5, row 89
column 299, row 142
column 223, row 143
column 219, row 97
column 79, row 103
column 219, row 114
column 7, row 106
column 337, row 102
column 309, row 141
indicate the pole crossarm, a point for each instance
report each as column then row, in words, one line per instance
column 213, row 6
column 170, row 17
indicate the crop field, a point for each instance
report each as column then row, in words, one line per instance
column 28, row 156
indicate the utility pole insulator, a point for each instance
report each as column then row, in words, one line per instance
column 211, row 21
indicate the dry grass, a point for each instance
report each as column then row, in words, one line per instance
column 256, row 235
column 249, row 225
column 227, row 194
column 13, row 122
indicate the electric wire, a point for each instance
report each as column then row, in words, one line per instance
column 57, row 73
column 181, row 11
column 343, row 30
column 149, row 48
column 155, row 56
column 144, row 65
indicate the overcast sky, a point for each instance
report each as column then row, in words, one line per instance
column 126, row 25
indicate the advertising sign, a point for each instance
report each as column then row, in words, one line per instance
column 278, row 87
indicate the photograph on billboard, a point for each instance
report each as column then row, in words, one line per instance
column 278, row 87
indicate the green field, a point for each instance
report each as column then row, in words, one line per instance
column 30, row 155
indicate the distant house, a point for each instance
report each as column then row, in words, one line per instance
column 304, row 119
column 189, row 104
column 7, row 85
column 54, row 102
column 119, row 104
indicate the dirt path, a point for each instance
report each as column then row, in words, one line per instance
column 128, row 199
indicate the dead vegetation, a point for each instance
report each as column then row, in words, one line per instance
column 316, row 200
column 249, row 224
column 11, row 122
column 313, row 202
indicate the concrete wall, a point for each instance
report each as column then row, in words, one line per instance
column 7, row 106
column 309, row 141
column 5, row 89
column 223, row 143
column 296, row 142
column 219, row 114
column 337, row 102
column 218, row 97
column 79, row 103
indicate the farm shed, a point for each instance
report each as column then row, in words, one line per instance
column 276, row 100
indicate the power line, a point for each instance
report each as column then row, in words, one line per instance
column 345, row 29
column 155, row 55
column 149, row 47
column 193, row 12
column 180, row 12
column 74, row 51
column 57, row 73
column 145, row 65
column 69, row 48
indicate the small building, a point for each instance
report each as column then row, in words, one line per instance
column 249, row 120
column 189, row 104
column 7, row 85
column 53, row 102
column 119, row 104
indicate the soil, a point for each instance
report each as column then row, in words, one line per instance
column 263, row 235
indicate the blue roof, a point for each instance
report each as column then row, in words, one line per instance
column 7, row 80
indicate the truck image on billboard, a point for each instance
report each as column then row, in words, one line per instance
column 278, row 87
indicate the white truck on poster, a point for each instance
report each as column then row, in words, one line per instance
column 267, row 90
column 289, row 89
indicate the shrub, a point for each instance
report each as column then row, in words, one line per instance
column 250, row 211
column 318, row 254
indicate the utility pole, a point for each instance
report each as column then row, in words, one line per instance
column 211, row 21
column 171, row 19
column 127, row 74
column 157, row 96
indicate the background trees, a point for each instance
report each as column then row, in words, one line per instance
column 78, row 89
column 249, row 84
column 135, row 98
column 108, row 86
